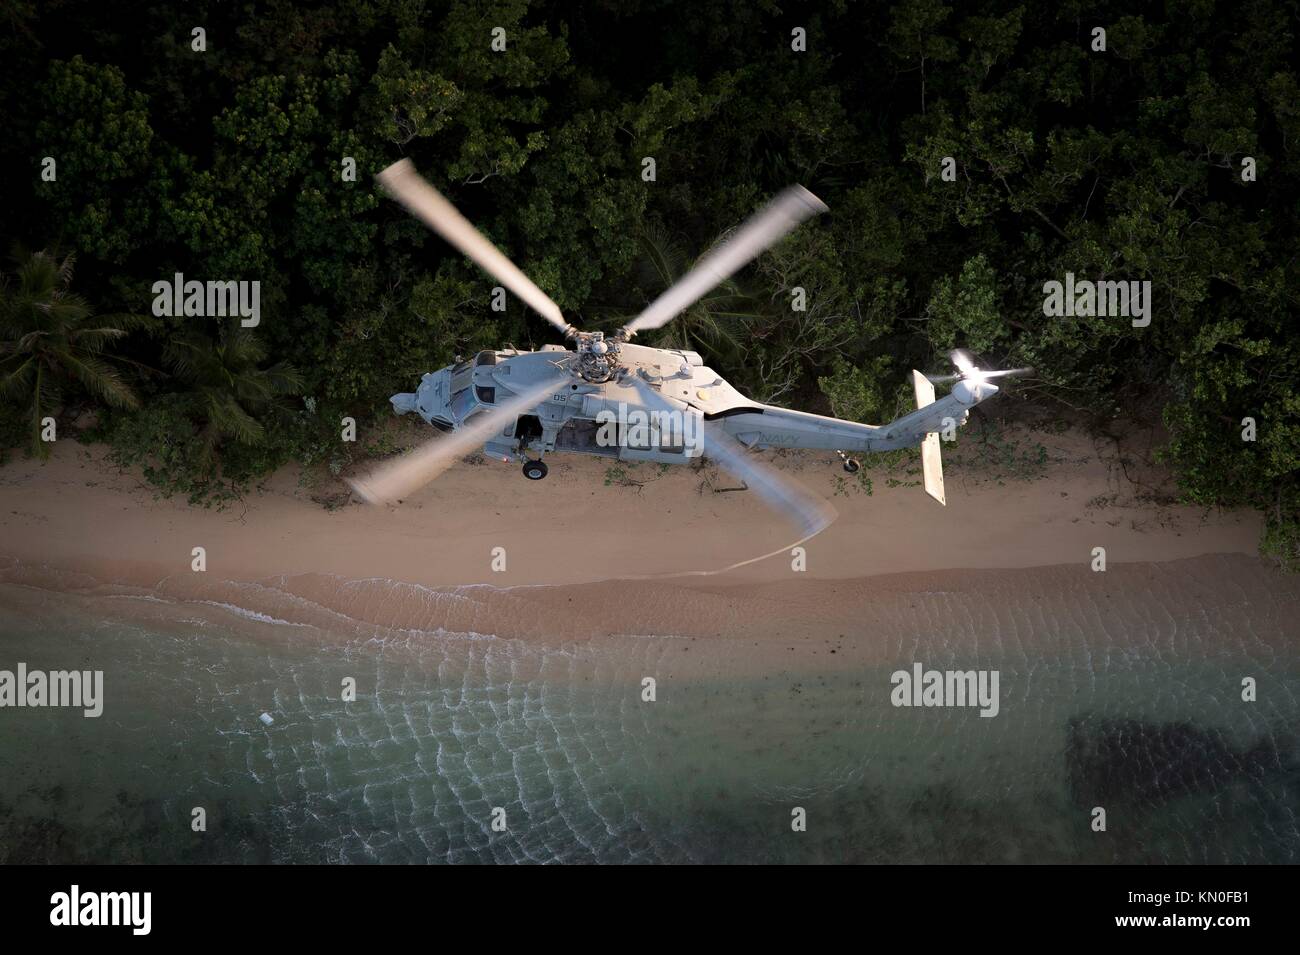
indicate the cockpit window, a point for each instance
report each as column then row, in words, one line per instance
column 485, row 358
column 462, row 403
column 486, row 394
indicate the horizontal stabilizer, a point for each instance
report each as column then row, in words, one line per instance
column 931, row 461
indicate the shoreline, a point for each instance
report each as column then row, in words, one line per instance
column 728, row 630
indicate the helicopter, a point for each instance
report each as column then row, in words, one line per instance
column 608, row 396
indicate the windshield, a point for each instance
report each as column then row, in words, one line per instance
column 462, row 403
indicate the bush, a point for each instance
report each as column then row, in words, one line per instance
column 162, row 439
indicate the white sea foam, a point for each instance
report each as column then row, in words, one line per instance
column 251, row 614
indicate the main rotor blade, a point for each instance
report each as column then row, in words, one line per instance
column 396, row 479
column 427, row 204
column 808, row 513
column 758, row 234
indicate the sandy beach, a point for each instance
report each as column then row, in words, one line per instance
column 589, row 556
column 77, row 512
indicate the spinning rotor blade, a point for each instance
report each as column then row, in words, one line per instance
column 809, row 514
column 428, row 205
column 758, row 234
column 966, row 369
column 982, row 375
column 396, row 479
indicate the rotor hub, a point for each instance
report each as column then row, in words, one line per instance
column 597, row 357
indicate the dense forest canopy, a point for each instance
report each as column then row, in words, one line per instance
column 1169, row 156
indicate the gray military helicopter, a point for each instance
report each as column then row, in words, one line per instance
column 607, row 396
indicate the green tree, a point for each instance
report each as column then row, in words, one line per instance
column 965, row 312
column 714, row 325
column 50, row 343
column 109, row 181
column 227, row 387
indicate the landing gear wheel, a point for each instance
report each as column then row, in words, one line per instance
column 852, row 465
column 535, row 470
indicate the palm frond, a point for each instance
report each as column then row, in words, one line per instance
column 126, row 321
column 65, row 310
column 65, row 269
column 25, row 344
column 283, row 379
column 96, row 339
column 225, row 414
column 18, row 382
column 38, row 276
column 661, row 252
column 99, row 378
column 242, row 346
column 184, row 355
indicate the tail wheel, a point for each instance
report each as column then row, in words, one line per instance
column 535, row 470
column 852, row 465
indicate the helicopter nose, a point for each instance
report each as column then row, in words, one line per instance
column 433, row 397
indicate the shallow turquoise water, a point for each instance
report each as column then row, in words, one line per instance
column 448, row 727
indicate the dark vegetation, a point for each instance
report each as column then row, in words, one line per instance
column 226, row 164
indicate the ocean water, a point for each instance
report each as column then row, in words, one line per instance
column 1123, row 695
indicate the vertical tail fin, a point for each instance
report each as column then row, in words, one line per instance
column 931, row 462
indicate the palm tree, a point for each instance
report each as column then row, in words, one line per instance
column 227, row 385
column 48, row 340
column 715, row 324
